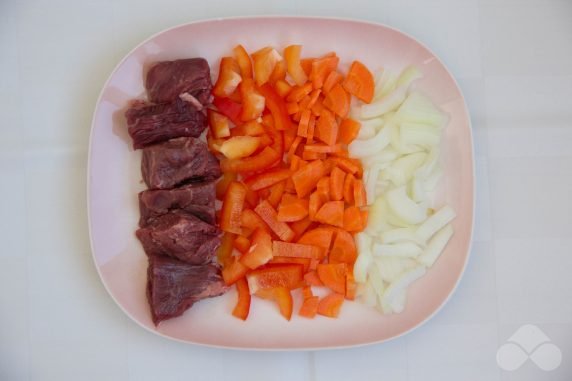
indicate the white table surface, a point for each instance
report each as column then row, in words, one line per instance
column 513, row 60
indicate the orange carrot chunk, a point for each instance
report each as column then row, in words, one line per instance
column 306, row 178
column 331, row 305
column 344, row 249
column 359, row 82
column 309, row 307
column 337, row 177
column 332, row 213
column 333, row 276
column 338, row 101
column 349, row 130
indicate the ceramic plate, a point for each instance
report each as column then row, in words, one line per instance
column 115, row 179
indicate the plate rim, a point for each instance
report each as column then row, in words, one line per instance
column 292, row 17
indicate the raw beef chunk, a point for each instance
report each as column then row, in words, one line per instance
column 149, row 123
column 196, row 199
column 173, row 286
column 176, row 161
column 167, row 80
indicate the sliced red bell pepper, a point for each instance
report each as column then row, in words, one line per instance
column 230, row 216
column 219, row 124
column 233, row 271
column 277, row 107
column 260, row 161
column 229, row 108
column 224, row 252
column 252, row 102
column 290, row 276
column 243, row 60
column 298, row 250
column 289, row 260
column 242, row 307
column 223, row 183
column 242, row 244
column 251, row 220
column 228, row 77
column 293, row 65
column 260, row 251
column 265, row 61
column 282, row 296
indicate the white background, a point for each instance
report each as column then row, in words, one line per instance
column 513, row 59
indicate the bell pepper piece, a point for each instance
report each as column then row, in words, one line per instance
column 321, row 68
column 230, row 218
column 251, row 128
column 298, row 250
column 282, row 87
column 238, row 147
column 293, row 66
column 223, row 183
column 277, row 107
column 228, row 78
column 290, row 260
column 250, row 220
column 224, row 251
column 265, row 61
column 233, row 271
column 260, row 251
column 242, row 307
column 243, row 60
column 276, row 192
column 311, row 278
column 290, row 276
column 267, row 179
column 229, row 108
column 252, row 101
column 282, row 296
column 265, row 159
column 242, row 244
column 279, row 73
column 219, row 124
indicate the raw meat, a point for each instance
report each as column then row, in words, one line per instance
column 167, row 80
column 149, row 123
column 196, row 199
column 173, row 286
column 182, row 236
column 171, row 163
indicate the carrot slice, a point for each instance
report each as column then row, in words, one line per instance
column 311, row 129
column 344, row 249
column 338, row 101
column 318, row 106
column 290, row 260
column 321, row 237
column 327, row 128
column 351, row 286
column 346, row 164
column 315, row 203
column 298, row 92
column 359, row 193
column 252, row 221
column 307, row 292
column 337, row 177
column 267, row 179
column 322, row 148
column 292, row 108
column 303, row 124
column 292, row 149
column 269, row 215
column 243, row 303
column 312, row 279
column 332, row 213
column 321, row 68
column 323, row 188
column 292, row 208
column 242, row 244
column 306, row 178
column 349, row 189
column 353, row 219
column 276, row 192
column 298, row 250
column 359, row 82
column 331, row 80
column 309, row 307
column 348, row 131
column 243, row 60
column 300, row 227
column 333, row 276
column 331, row 305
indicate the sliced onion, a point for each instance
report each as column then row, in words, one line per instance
column 400, row 284
column 436, row 246
column 391, row 268
column 385, row 83
column 435, row 223
column 401, row 235
column 365, row 257
column 385, row 104
column 419, row 134
column 417, row 108
column 374, row 145
column 404, row 207
column 401, row 249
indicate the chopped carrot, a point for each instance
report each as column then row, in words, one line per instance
column 285, row 260
column 267, row 179
column 344, row 248
column 289, row 136
column 306, row 64
column 318, row 106
column 298, row 250
column 353, row 219
column 351, row 286
column 332, row 213
column 338, row 101
column 292, row 108
column 312, row 279
column 312, row 156
column 321, row 68
column 321, row 237
column 306, row 178
column 323, row 188
column 364, row 216
column 303, row 124
column 300, row 227
column 348, row 131
column 349, row 189
column 346, row 164
column 322, row 148
column 359, row 82
column 298, row 92
column 309, row 307
column 242, row 244
column 314, row 96
column 359, row 193
column 327, row 128
column 314, row 264
column 331, row 305
column 337, row 177
column 333, row 276
column 292, row 208
column 269, row 215
column 293, row 147
column 307, row 292
column 276, row 192
column 331, row 80
column 315, row 203
column 311, row 129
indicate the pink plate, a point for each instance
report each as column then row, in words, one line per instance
column 115, row 179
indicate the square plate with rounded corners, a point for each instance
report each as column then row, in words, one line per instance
column 114, row 179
